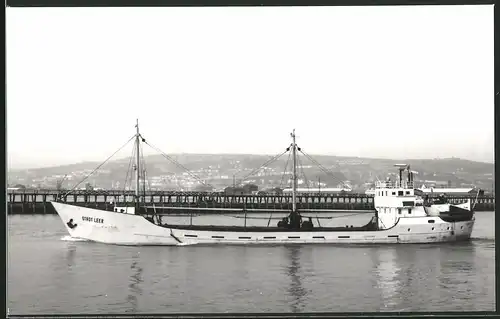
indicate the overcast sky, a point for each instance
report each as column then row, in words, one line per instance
column 393, row 82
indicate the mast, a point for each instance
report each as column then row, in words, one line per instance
column 294, row 176
column 137, row 168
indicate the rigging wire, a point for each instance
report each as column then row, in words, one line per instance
column 301, row 169
column 143, row 164
column 147, row 183
column 66, row 194
column 177, row 163
column 325, row 170
column 143, row 172
column 303, row 172
column 274, row 158
column 129, row 169
column 284, row 172
column 60, row 182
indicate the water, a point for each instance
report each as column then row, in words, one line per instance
column 47, row 273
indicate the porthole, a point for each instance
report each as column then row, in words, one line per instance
column 448, row 228
column 461, row 227
column 408, row 229
column 432, row 228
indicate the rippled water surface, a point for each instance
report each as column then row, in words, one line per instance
column 47, row 274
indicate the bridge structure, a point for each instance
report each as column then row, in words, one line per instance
column 38, row 201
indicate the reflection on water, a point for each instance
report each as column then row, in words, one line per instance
column 459, row 258
column 387, row 272
column 448, row 276
column 49, row 275
column 134, row 288
column 70, row 256
column 296, row 290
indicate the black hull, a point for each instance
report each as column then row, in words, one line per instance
column 457, row 214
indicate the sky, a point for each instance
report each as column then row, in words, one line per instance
column 388, row 82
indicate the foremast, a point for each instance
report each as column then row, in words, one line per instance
column 294, row 172
column 295, row 218
column 137, row 168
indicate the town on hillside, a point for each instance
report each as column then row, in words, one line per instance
column 243, row 174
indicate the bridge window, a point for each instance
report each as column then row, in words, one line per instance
column 409, row 211
column 399, row 211
column 431, row 221
column 393, row 193
column 400, row 193
column 407, row 192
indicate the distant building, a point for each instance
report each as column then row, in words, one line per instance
column 247, row 189
column 318, row 190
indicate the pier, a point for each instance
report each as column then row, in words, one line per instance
column 38, row 201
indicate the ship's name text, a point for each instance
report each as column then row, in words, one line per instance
column 92, row 219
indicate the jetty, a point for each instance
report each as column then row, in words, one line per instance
column 38, row 201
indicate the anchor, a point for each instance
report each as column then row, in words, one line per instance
column 71, row 224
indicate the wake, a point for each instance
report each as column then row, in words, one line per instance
column 72, row 239
column 186, row 244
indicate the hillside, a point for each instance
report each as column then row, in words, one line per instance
column 218, row 170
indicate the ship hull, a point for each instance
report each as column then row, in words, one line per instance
column 129, row 229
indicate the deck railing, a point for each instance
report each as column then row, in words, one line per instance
column 396, row 184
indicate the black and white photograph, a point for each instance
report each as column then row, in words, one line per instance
column 250, row 160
